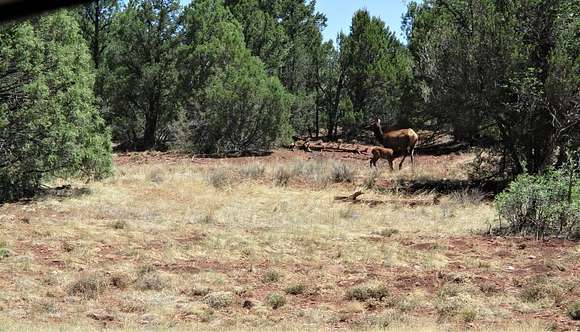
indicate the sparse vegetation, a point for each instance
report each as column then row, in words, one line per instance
column 218, row 178
column 184, row 252
column 341, row 172
column 574, row 310
column 149, row 279
column 295, row 289
column 87, row 286
column 271, row 276
column 219, row 300
column 275, row 300
column 282, row 176
column 363, row 293
column 253, row 171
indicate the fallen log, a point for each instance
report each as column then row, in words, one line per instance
column 373, row 202
column 233, row 154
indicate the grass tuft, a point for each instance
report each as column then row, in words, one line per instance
column 271, row 276
column 341, row 172
column 295, row 289
column 364, row 293
column 87, row 287
column 275, row 300
column 219, row 300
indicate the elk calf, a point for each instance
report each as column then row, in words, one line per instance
column 382, row 153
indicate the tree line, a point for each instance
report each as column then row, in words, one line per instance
column 231, row 75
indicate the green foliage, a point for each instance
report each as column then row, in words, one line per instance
column 574, row 311
column 231, row 103
column 140, row 75
column 541, row 205
column 275, row 300
column 377, row 66
column 49, row 126
column 504, row 73
column 295, row 289
column 363, row 293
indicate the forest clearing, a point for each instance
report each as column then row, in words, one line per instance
column 177, row 242
column 302, row 165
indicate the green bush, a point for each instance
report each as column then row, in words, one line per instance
column 574, row 311
column 541, row 205
column 49, row 125
column 363, row 293
column 275, row 300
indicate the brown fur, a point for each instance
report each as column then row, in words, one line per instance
column 402, row 141
column 382, row 153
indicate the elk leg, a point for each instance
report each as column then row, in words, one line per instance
column 391, row 165
column 401, row 163
column 413, row 157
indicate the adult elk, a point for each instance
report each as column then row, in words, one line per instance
column 402, row 141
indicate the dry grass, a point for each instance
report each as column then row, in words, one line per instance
column 181, row 246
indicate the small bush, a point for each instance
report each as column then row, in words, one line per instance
column 199, row 291
column 156, row 176
column 219, row 300
column 455, row 300
column 370, row 182
column 275, row 300
column 271, row 276
column 119, row 224
column 4, row 252
column 282, row 176
column 149, row 279
column 341, row 172
column 363, row 293
column 468, row 196
column 217, row 178
column 542, row 290
column 119, row 280
column 295, row 289
column 574, row 311
column 539, row 205
column 88, row 287
column 253, row 171
column 387, row 232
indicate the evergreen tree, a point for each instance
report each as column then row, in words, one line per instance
column 230, row 101
column 140, row 78
column 49, row 126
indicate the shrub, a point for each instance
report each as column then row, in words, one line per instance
column 271, row 276
column 275, row 300
column 217, row 177
column 149, row 279
column 370, row 182
column 468, row 196
column 49, row 125
column 218, row 300
column 541, row 205
column 282, row 176
column 456, row 300
column 363, row 293
column 295, row 289
column 119, row 280
column 156, row 176
column 88, row 286
column 4, row 252
column 574, row 311
column 253, row 171
column 542, row 289
column 341, row 172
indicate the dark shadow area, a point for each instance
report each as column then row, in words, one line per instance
column 445, row 187
column 442, row 149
